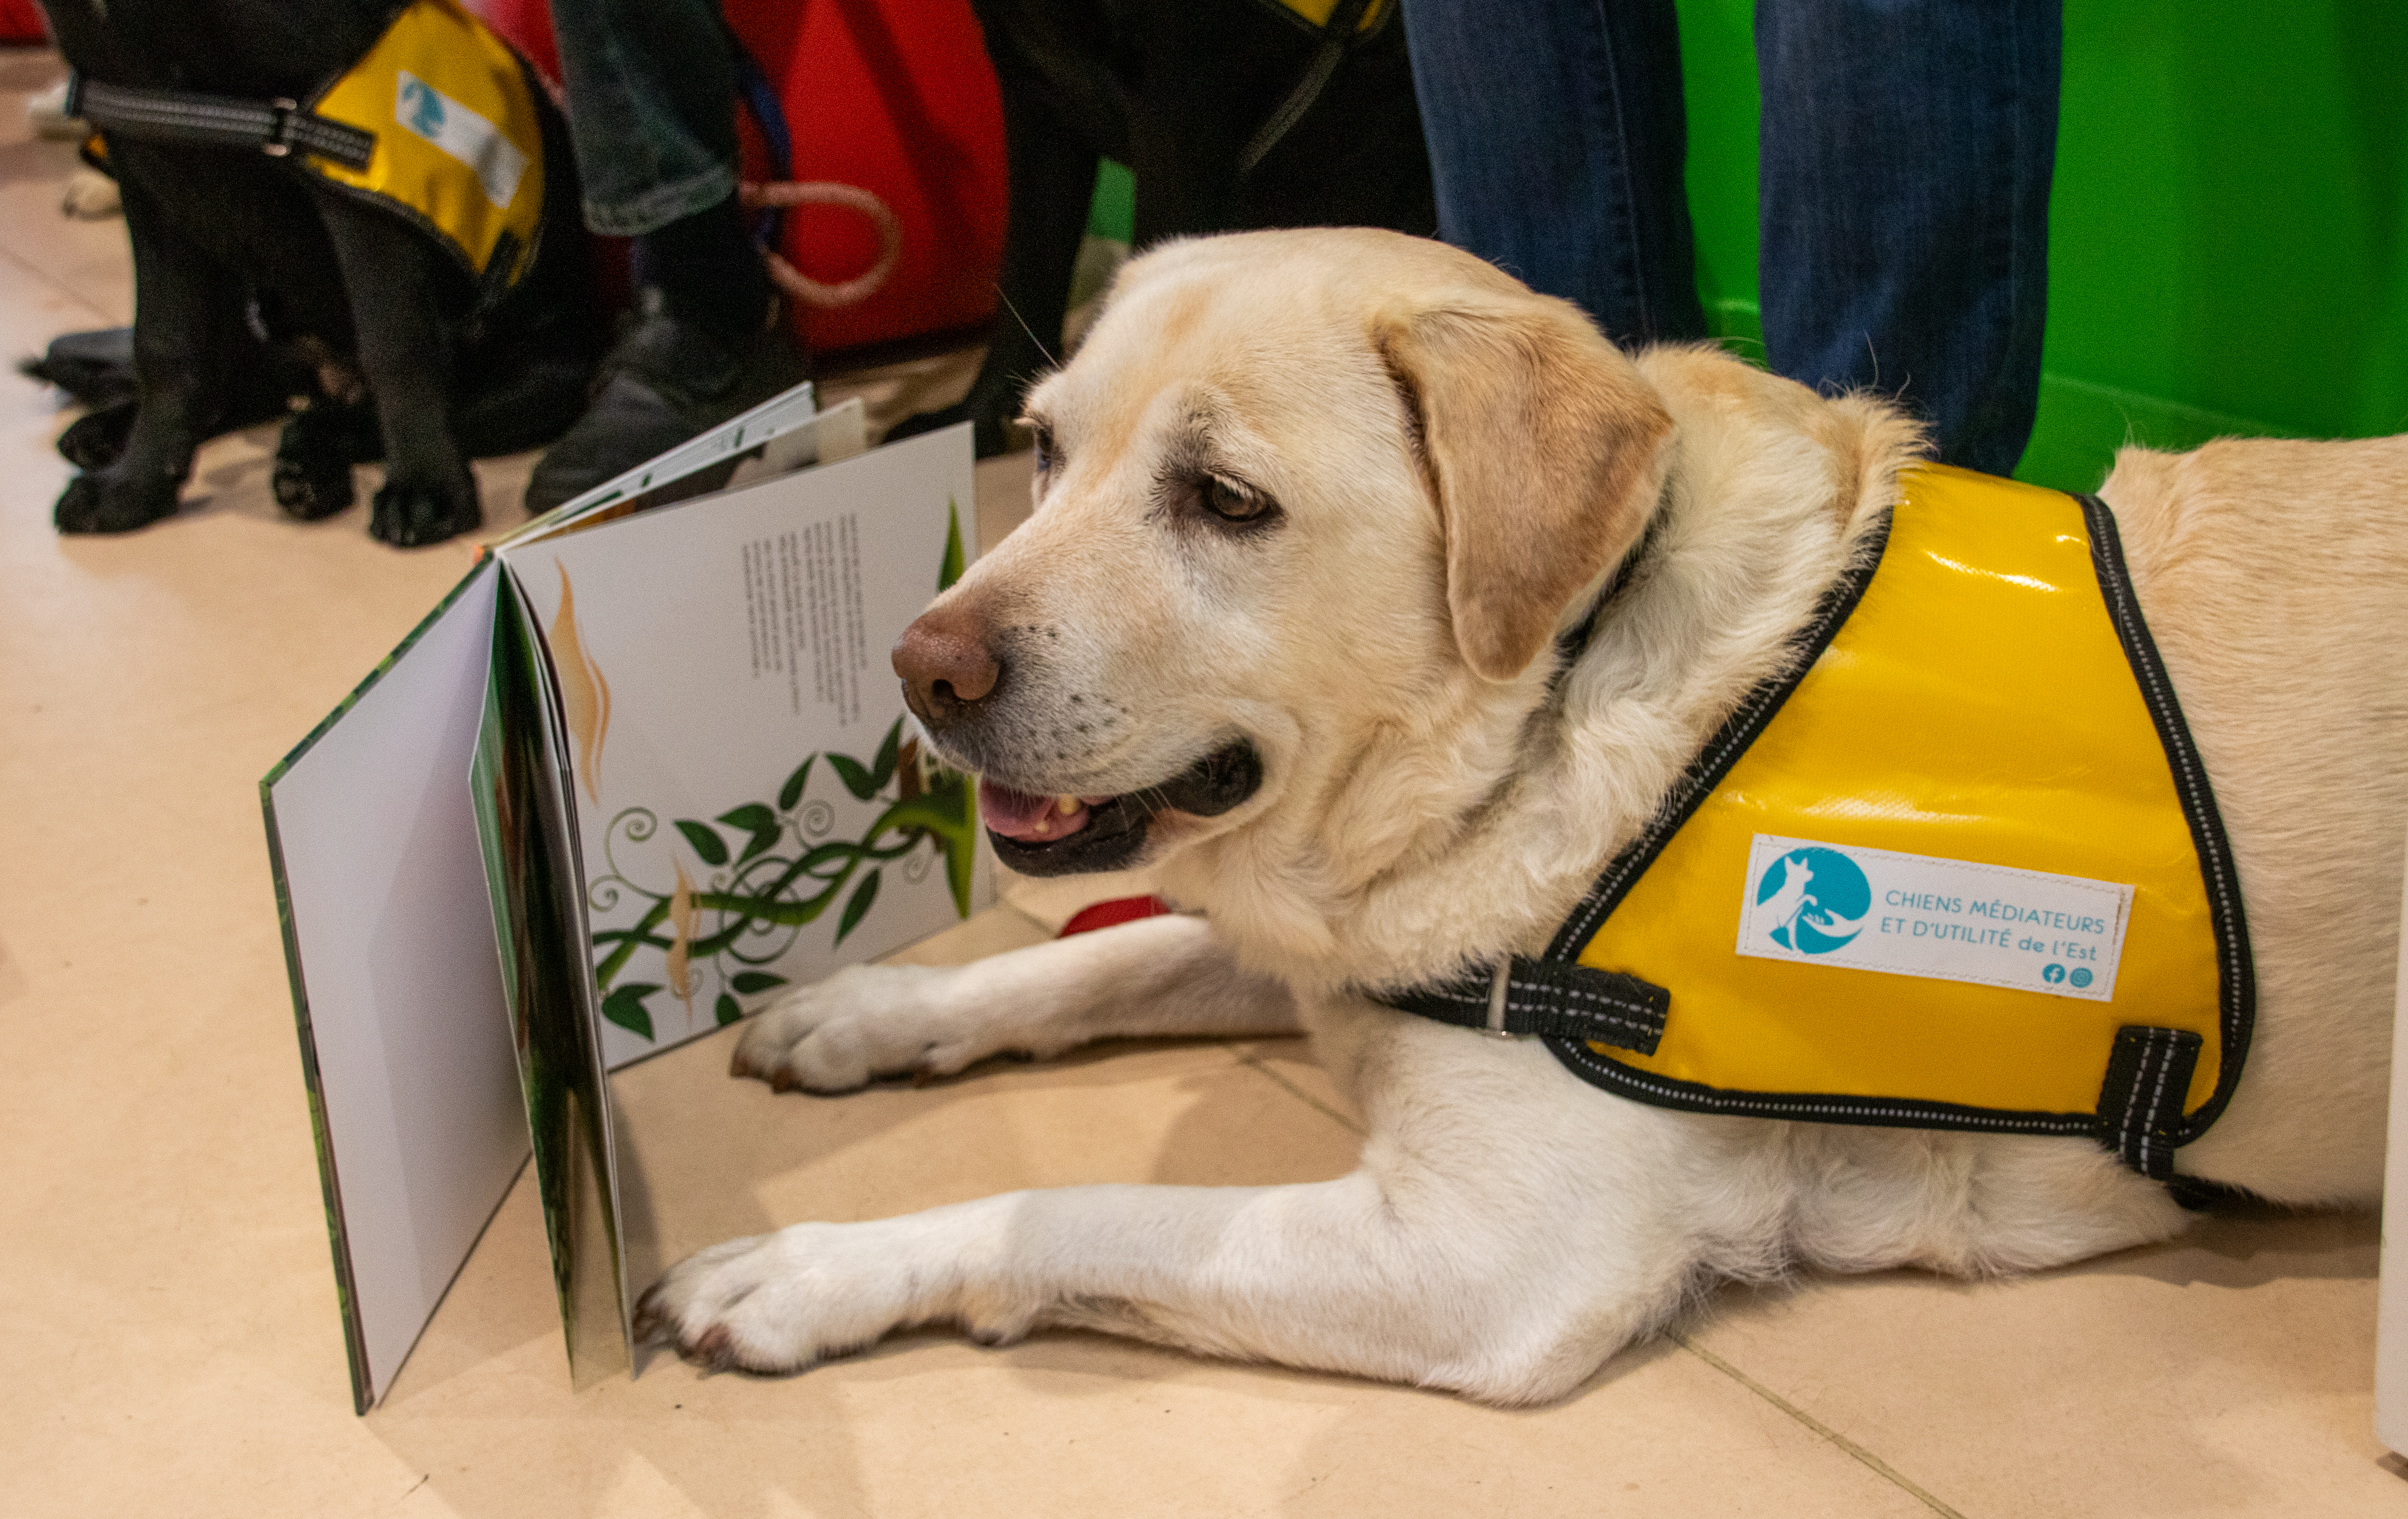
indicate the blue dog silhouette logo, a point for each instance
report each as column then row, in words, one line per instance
column 1815, row 900
column 421, row 109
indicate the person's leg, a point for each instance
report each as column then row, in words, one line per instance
column 1906, row 155
column 652, row 94
column 1062, row 110
column 1557, row 138
column 652, row 107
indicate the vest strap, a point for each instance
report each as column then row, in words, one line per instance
column 1336, row 39
column 1556, row 998
column 2140, row 1104
column 274, row 127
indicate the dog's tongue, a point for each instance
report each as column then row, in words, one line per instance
column 1017, row 814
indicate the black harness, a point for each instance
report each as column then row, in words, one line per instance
column 272, row 127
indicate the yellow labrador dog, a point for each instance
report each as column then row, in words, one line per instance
column 1314, row 512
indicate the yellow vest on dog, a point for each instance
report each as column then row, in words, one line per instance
column 459, row 145
column 1960, row 870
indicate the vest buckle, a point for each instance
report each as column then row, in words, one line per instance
column 279, row 129
column 1497, row 988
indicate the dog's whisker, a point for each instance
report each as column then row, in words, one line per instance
column 1005, row 299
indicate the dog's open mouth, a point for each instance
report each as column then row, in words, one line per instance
column 1062, row 836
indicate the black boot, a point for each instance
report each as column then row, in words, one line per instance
column 710, row 345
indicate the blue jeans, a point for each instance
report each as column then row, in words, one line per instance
column 652, row 103
column 1904, row 173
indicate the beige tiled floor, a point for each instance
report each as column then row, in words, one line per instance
column 169, row 1318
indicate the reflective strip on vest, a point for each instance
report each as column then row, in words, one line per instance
column 459, row 145
column 1976, row 706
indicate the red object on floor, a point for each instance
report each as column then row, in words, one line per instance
column 893, row 97
column 1112, row 914
column 21, row 20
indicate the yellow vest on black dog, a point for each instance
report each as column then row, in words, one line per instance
column 437, row 122
column 459, row 147
column 1961, row 869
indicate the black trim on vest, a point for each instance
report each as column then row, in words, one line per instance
column 2236, row 972
column 1810, row 1107
column 1736, row 736
column 501, row 268
column 1568, row 1004
column 2140, row 1114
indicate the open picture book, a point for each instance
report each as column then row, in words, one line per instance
column 642, row 768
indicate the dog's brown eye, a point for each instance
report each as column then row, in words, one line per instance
column 1232, row 502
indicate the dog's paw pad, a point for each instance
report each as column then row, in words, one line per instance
column 410, row 516
column 100, row 503
column 864, row 1024
column 713, row 1350
column 96, row 439
column 778, row 1303
column 312, row 490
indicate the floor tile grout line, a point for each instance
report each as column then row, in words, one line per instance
column 1875, row 1463
column 56, row 284
column 1247, row 1058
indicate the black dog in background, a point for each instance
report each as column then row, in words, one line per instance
column 239, row 255
column 1232, row 115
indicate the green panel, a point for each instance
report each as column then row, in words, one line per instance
column 2228, row 246
column 1718, row 83
column 1113, row 215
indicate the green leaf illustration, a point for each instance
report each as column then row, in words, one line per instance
column 759, row 821
column 626, row 939
column 961, row 844
column 948, row 810
column 883, row 769
column 858, row 908
column 857, row 781
column 705, row 839
column 941, row 810
column 950, row 570
column 625, row 1006
column 726, row 1011
column 792, row 791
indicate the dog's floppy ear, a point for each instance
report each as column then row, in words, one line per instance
column 1543, row 447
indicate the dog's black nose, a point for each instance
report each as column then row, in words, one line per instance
column 946, row 664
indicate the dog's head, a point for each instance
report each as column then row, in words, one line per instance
column 1310, row 507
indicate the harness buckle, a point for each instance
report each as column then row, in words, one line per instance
column 1497, row 988
column 280, row 132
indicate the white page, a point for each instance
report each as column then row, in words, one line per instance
column 2391, row 1319
column 392, row 945
column 721, row 643
column 779, row 414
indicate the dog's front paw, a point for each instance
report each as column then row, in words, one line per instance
column 410, row 514
column 860, row 1024
column 310, row 488
column 109, row 501
column 780, row 1302
column 96, row 439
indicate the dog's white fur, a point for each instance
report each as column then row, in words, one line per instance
column 1432, row 432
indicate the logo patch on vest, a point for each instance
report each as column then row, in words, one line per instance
column 463, row 134
column 1916, row 915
